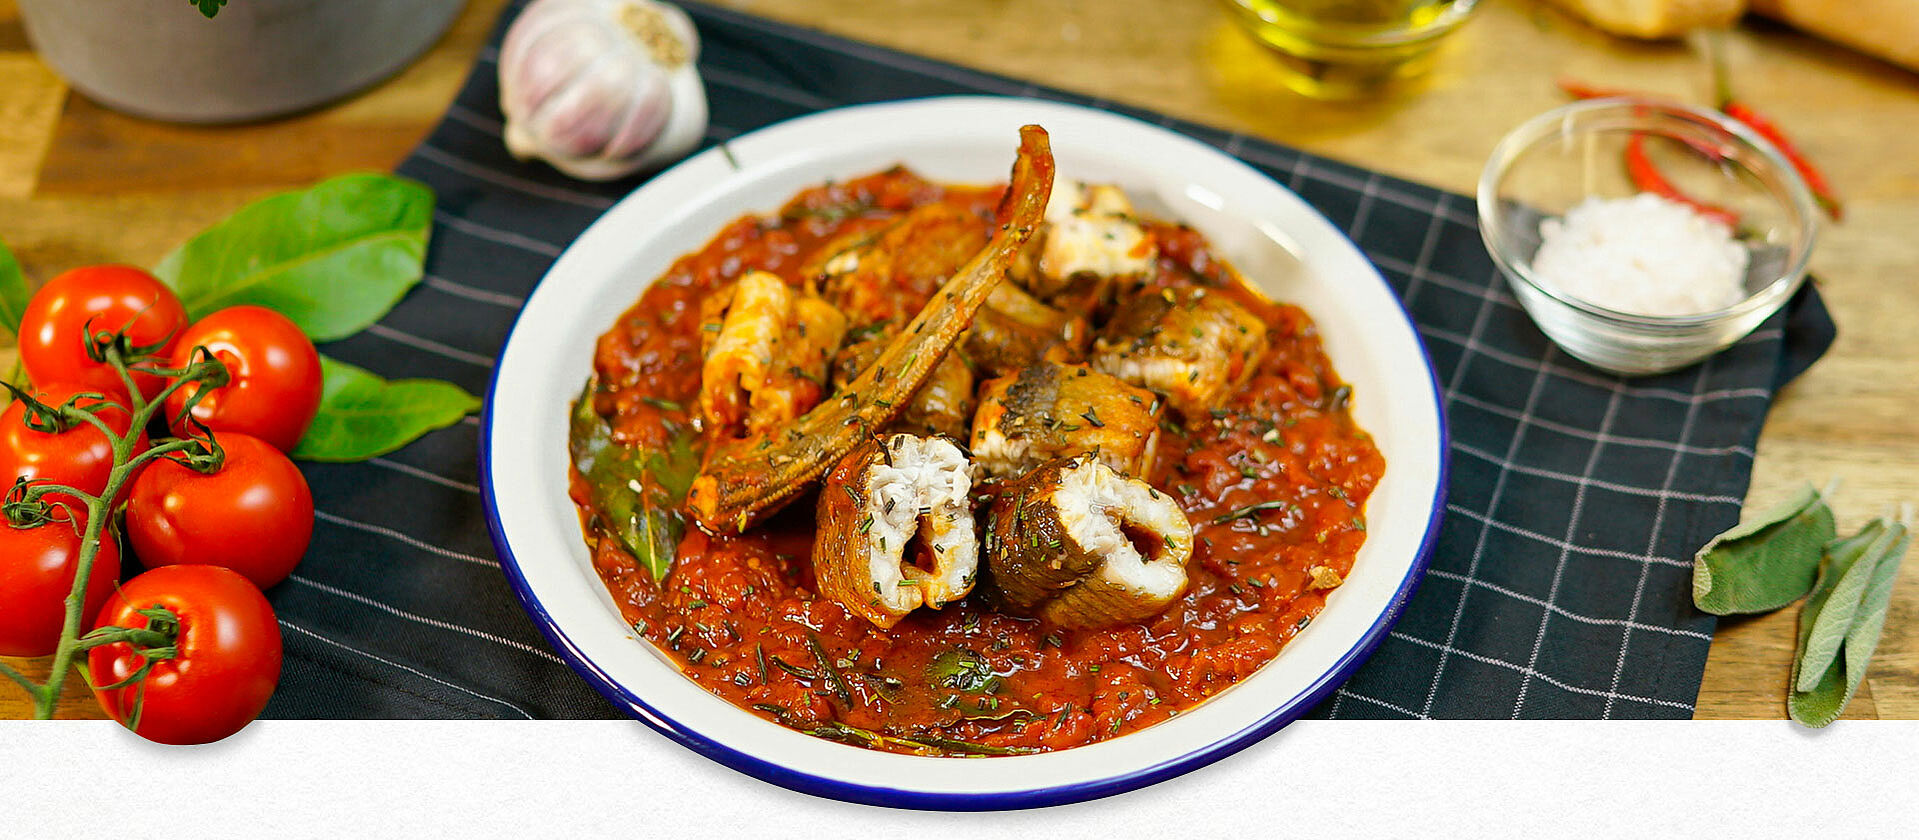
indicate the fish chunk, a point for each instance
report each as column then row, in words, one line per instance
column 886, row 276
column 1049, row 411
column 1015, row 330
column 943, row 406
column 1192, row 345
column 1080, row 545
column 1091, row 229
column 766, row 360
column 742, row 481
column 885, row 499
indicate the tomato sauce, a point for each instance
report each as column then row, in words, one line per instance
column 1275, row 482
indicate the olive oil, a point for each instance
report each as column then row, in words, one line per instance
column 1341, row 49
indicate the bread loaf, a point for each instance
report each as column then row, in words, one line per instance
column 1888, row 29
column 1668, row 18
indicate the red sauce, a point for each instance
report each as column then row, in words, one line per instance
column 740, row 617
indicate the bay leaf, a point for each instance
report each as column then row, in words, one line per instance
column 333, row 257
column 14, row 293
column 1766, row 562
column 362, row 415
column 636, row 490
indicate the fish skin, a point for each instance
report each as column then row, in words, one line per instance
column 743, row 481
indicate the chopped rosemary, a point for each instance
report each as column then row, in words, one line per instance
column 1250, row 510
column 832, row 674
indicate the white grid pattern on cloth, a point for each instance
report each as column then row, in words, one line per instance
column 1586, row 480
column 1580, row 484
column 1486, row 523
column 1441, row 210
column 1532, row 674
column 397, row 536
column 1563, row 545
column 1652, row 542
column 425, row 475
column 1562, row 611
column 320, row 637
column 440, row 624
column 501, row 299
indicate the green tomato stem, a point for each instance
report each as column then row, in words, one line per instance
column 98, row 510
column 76, row 599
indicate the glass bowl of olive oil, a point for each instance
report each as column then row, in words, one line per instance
column 1346, row 49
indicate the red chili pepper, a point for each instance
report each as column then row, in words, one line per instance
column 1646, row 176
column 1580, row 90
column 1815, row 180
column 1764, row 127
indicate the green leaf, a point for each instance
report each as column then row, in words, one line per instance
column 1823, row 685
column 637, row 491
column 1853, row 563
column 14, row 293
column 1864, row 635
column 362, row 415
column 208, row 7
column 333, row 257
column 959, row 668
column 1767, row 562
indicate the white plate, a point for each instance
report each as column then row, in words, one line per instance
column 1276, row 240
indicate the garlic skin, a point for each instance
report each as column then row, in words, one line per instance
column 601, row 88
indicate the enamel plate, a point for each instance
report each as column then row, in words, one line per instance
column 1274, row 238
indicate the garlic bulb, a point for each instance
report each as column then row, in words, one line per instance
column 601, row 88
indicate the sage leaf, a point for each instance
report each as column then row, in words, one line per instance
column 1852, row 564
column 333, row 257
column 1820, row 703
column 1767, row 562
column 14, row 293
column 636, row 491
column 362, row 415
column 1822, row 687
column 1864, row 635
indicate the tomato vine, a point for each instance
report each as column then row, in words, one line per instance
column 27, row 504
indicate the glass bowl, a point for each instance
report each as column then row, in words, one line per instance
column 1564, row 156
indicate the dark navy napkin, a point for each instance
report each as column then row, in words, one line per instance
column 1559, row 587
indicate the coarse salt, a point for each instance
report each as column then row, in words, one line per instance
column 1645, row 254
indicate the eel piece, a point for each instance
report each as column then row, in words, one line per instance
column 1091, row 232
column 943, row 406
column 1188, row 343
column 744, row 480
column 883, row 500
column 1014, row 330
column 887, row 275
column 1080, row 545
column 768, row 347
column 1050, row 411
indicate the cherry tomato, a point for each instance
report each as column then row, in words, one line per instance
column 37, row 566
column 80, row 457
column 275, row 387
column 254, row 516
column 228, row 659
column 54, row 326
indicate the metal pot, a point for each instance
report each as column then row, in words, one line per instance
column 257, row 59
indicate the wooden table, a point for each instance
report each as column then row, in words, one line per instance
column 80, row 184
